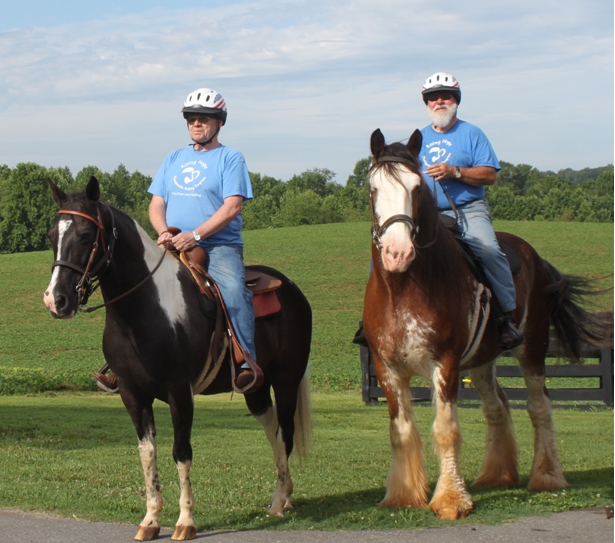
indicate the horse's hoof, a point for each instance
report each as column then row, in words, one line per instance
column 182, row 533
column 277, row 510
column 451, row 513
column 505, row 480
column 147, row 533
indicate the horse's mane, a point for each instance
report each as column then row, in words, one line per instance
column 398, row 150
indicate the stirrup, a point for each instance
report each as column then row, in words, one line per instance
column 257, row 380
column 508, row 328
column 107, row 383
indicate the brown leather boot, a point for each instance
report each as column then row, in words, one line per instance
column 510, row 336
column 108, row 383
column 359, row 336
column 245, row 377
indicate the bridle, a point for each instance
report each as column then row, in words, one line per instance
column 85, row 287
column 90, row 276
column 378, row 229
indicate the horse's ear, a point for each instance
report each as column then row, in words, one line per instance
column 92, row 191
column 415, row 142
column 376, row 143
column 59, row 196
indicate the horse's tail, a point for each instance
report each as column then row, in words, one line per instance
column 573, row 324
column 303, row 419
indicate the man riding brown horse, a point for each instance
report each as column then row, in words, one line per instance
column 459, row 158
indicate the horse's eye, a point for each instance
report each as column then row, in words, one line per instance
column 86, row 238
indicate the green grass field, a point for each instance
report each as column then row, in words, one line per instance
column 330, row 263
column 74, row 453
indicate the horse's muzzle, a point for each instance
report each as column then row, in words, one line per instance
column 59, row 307
column 396, row 260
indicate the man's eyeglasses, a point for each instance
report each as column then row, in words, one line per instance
column 434, row 97
column 201, row 119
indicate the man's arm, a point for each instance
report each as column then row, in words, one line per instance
column 219, row 220
column 158, row 213
column 477, row 176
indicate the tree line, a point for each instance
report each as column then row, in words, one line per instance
column 521, row 192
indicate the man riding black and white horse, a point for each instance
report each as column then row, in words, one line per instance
column 200, row 189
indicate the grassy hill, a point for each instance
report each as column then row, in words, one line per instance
column 330, row 263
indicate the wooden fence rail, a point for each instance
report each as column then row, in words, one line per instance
column 372, row 393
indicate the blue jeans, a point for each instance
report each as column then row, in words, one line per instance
column 477, row 231
column 225, row 265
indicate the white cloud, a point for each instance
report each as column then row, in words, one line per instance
column 307, row 83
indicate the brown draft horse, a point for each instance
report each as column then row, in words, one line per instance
column 420, row 302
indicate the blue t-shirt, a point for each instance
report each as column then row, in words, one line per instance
column 194, row 185
column 464, row 145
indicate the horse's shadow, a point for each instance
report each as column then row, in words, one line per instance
column 492, row 505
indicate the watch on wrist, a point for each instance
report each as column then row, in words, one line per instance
column 196, row 236
column 457, row 172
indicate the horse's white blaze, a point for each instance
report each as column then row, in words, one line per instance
column 169, row 288
column 394, row 198
column 147, row 454
column 48, row 297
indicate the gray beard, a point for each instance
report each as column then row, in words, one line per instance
column 441, row 119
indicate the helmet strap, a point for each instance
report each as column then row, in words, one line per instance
column 205, row 143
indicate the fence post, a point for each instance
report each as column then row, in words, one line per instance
column 365, row 379
column 606, row 359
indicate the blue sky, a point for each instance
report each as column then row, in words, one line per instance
column 306, row 82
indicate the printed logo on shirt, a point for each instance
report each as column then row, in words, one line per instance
column 192, row 175
column 437, row 152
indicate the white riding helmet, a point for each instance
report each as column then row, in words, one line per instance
column 205, row 102
column 441, row 81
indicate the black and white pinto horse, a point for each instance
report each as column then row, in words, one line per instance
column 156, row 340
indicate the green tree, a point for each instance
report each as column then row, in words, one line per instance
column 318, row 180
column 355, row 195
column 501, row 200
column 514, row 176
column 259, row 212
column 331, row 210
column 299, row 208
column 83, row 177
column 264, row 185
column 26, row 208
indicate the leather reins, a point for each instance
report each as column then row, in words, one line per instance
column 378, row 229
column 86, row 285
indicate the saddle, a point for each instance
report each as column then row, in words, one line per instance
column 264, row 298
column 262, row 285
column 513, row 260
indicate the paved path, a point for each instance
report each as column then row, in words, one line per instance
column 587, row 526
